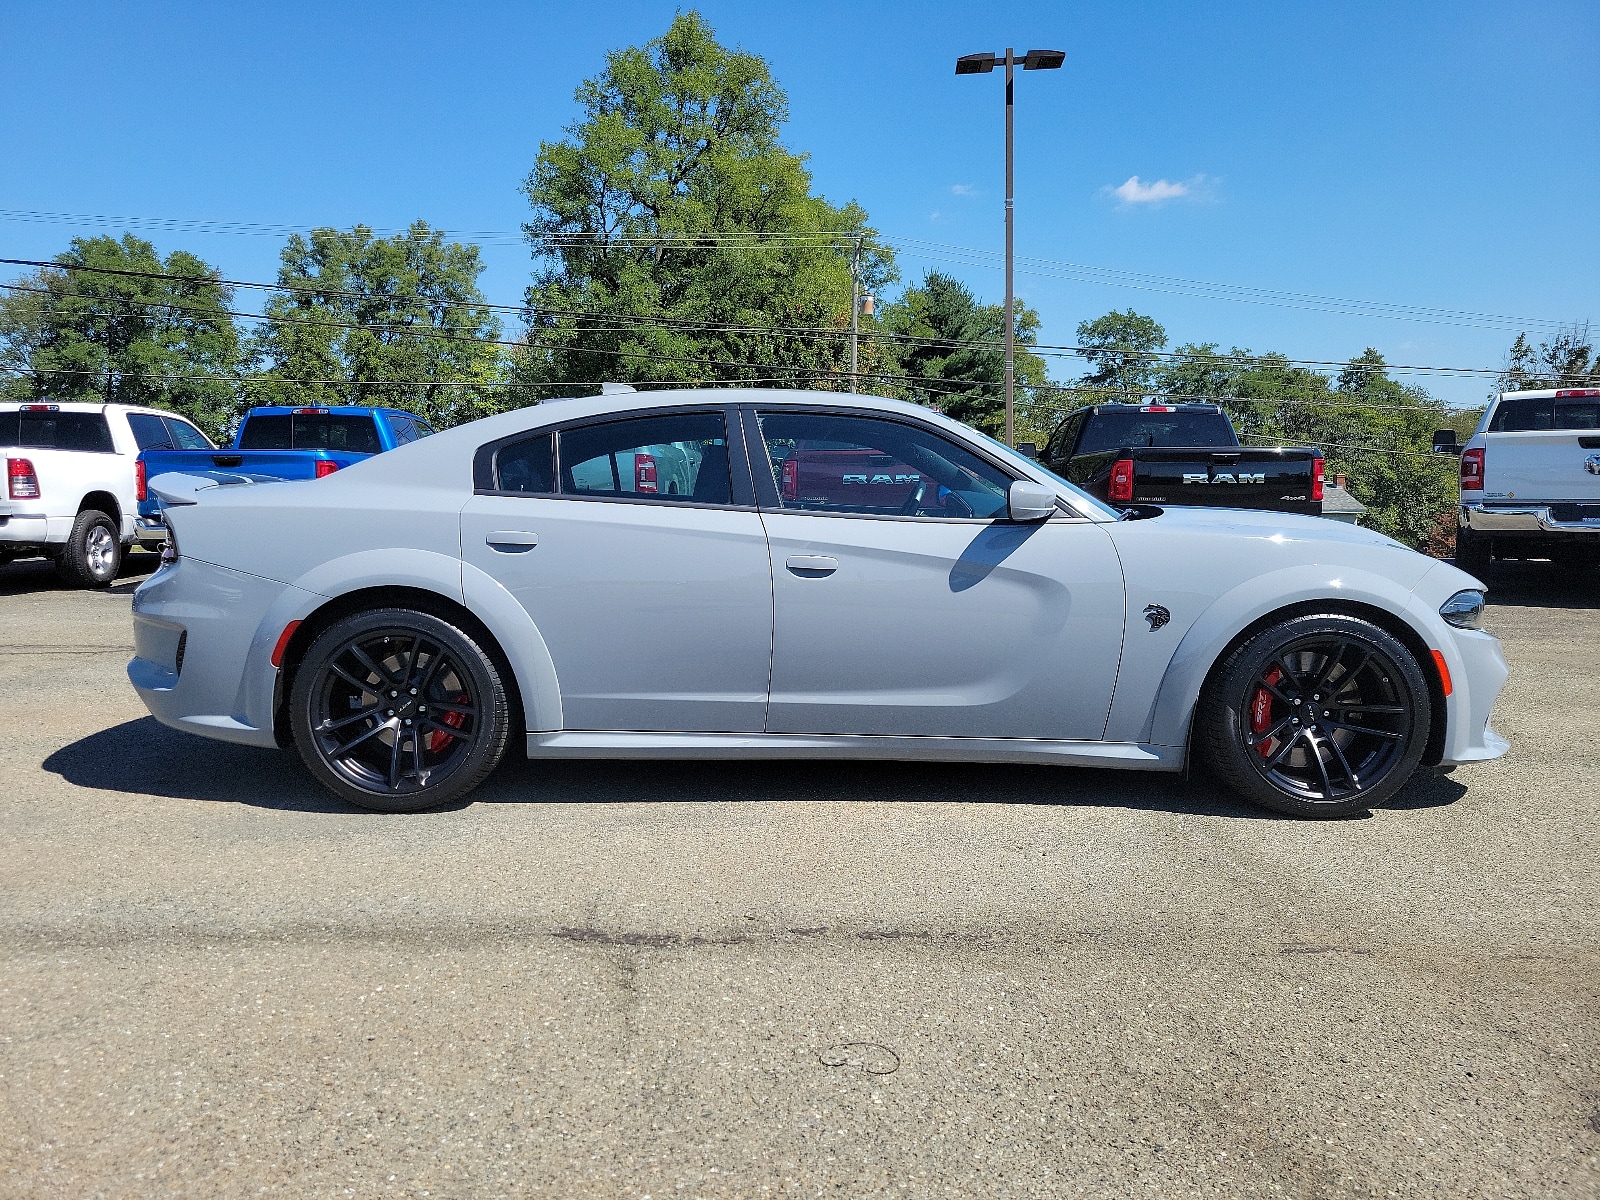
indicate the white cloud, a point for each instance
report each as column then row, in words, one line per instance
column 963, row 189
column 1159, row 191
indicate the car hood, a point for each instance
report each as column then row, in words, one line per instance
column 1277, row 526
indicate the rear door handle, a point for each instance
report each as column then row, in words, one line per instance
column 811, row 566
column 512, row 541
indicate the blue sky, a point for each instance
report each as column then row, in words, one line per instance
column 1437, row 155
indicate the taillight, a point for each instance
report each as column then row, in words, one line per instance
column 141, row 492
column 644, row 472
column 1472, row 469
column 1316, row 478
column 791, row 479
column 21, row 481
column 1120, row 488
column 326, row 467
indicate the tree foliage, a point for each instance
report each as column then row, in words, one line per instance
column 678, row 239
column 1567, row 360
column 1120, row 348
column 396, row 321
column 939, row 319
column 159, row 336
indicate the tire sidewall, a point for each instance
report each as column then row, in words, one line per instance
column 73, row 562
column 1222, row 719
column 482, row 758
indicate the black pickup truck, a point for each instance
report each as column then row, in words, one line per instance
column 1179, row 454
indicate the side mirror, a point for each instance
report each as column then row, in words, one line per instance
column 1444, row 442
column 1030, row 501
column 1028, row 450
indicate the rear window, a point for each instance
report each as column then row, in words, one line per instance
column 56, row 431
column 1114, row 430
column 1536, row 414
column 351, row 432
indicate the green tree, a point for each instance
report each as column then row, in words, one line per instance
column 139, row 330
column 678, row 239
column 938, row 320
column 1120, row 348
column 1567, row 360
column 396, row 321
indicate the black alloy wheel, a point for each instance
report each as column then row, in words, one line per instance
column 397, row 710
column 1317, row 716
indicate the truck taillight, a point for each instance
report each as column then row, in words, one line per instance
column 326, row 467
column 644, row 473
column 141, row 488
column 791, row 479
column 1472, row 470
column 1316, row 478
column 21, row 480
column 1120, row 487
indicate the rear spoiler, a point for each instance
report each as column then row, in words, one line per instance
column 176, row 489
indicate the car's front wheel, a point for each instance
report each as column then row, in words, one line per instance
column 1317, row 716
column 397, row 710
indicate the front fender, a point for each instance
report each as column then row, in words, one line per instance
column 1165, row 722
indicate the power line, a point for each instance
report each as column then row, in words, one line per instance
column 1046, row 350
column 913, row 247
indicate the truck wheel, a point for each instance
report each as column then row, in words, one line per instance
column 93, row 553
column 396, row 710
column 1472, row 552
column 1317, row 716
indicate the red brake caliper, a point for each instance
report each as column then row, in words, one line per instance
column 1261, row 711
column 438, row 740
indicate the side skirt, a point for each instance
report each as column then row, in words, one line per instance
column 624, row 744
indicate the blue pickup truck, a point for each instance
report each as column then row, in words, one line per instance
column 277, row 442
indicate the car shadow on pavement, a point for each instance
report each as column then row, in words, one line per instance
column 39, row 575
column 1541, row 585
column 144, row 757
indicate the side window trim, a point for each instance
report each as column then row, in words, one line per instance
column 767, row 487
column 485, row 470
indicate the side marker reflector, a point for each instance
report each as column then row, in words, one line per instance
column 288, row 632
column 1444, row 672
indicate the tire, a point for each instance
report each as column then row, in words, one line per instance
column 1472, row 552
column 93, row 553
column 1367, row 726
column 437, row 734
column 7, row 556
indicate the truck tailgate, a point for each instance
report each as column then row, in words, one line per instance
column 1244, row 478
column 1542, row 465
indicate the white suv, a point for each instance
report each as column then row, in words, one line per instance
column 70, row 487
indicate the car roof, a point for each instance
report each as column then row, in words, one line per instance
column 95, row 406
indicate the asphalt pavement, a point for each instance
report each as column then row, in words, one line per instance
column 787, row 979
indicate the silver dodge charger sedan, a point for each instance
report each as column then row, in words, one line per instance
column 823, row 576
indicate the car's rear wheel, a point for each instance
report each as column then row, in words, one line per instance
column 93, row 553
column 1317, row 716
column 397, row 710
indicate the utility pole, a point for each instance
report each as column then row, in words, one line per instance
column 855, row 310
column 982, row 64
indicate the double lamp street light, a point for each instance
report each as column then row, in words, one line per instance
column 982, row 64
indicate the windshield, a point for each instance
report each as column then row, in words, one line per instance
column 1086, row 504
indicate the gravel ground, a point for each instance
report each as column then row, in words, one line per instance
column 680, row 980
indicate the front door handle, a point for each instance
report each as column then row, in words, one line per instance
column 811, row 566
column 512, row 541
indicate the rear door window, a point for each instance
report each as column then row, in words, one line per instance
column 402, row 428
column 150, row 432
column 674, row 457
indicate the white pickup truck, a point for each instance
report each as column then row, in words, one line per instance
column 1530, row 480
column 70, row 486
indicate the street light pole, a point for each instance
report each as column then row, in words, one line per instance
column 855, row 310
column 1011, row 325
column 982, row 64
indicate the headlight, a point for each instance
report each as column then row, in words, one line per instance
column 1464, row 610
